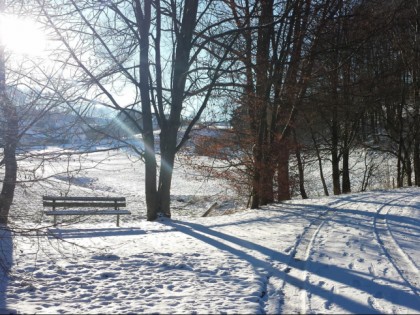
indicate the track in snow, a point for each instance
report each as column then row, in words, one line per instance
column 402, row 262
column 294, row 285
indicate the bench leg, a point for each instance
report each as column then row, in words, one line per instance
column 55, row 220
column 118, row 220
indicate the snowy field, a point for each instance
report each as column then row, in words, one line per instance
column 356, row 253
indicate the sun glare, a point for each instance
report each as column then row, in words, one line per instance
column 21, row 36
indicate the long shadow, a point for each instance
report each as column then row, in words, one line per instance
column 311, row 211
column 90, row 233
column 347, row 277
column 286, row 213
column 367, row 198
column 6, row 260
column 397, row 228
column 369, row 214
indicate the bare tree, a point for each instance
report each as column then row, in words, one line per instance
column 278, row 58
column 169, row 56
column 10, row 139
column 29, row 88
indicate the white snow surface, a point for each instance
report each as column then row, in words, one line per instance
column 355, row 253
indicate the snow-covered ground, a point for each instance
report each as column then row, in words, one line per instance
column 356, row 253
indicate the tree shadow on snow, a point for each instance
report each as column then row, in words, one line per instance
column 6, row 260
column 369, row 215
column 351, row 278
column 90, row 233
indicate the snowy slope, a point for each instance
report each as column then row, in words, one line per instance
column 356, row 253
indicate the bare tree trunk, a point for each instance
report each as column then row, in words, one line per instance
column 10, row 164
column 143, row 17
column 262, row 149
column 283, row 174
column 267, row 181
column 321, row 172
column 165, row 177
column 408, row 169
column 400, row 174
column 335, row 160
column 10, row 142
column 416, row 84
column 416, row 161
column 171, row 126
column 300, row 168
column 346, row 186
column 401, row 144
column 255, row 201
column 416, row 149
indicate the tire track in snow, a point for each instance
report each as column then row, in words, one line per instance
column 400, row 212
column 403, row 264
column 305, row 256
column 294, row 285
column 297, row 277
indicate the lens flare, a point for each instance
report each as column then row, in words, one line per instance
column 21, row 36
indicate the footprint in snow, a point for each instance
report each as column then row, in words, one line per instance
column 287, row 250
column 106, row 275
column 106, row 257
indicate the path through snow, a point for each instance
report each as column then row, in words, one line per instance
column 350, row 254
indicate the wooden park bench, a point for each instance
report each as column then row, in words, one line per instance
column 112, row 203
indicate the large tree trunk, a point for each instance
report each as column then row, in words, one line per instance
column 416, row 162
column 416, row 84
column 143, row 18
column 10, row 137
column 170, row 127
column 168, row 150
column 267, row 181
column 262, row 180
column 10, row 164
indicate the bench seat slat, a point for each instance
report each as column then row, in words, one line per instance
column 84, row 204
column 57, row 198
column 87, row 212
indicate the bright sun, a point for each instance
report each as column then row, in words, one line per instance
column 21, row 36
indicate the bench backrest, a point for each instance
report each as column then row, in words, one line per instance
column 100, row 202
